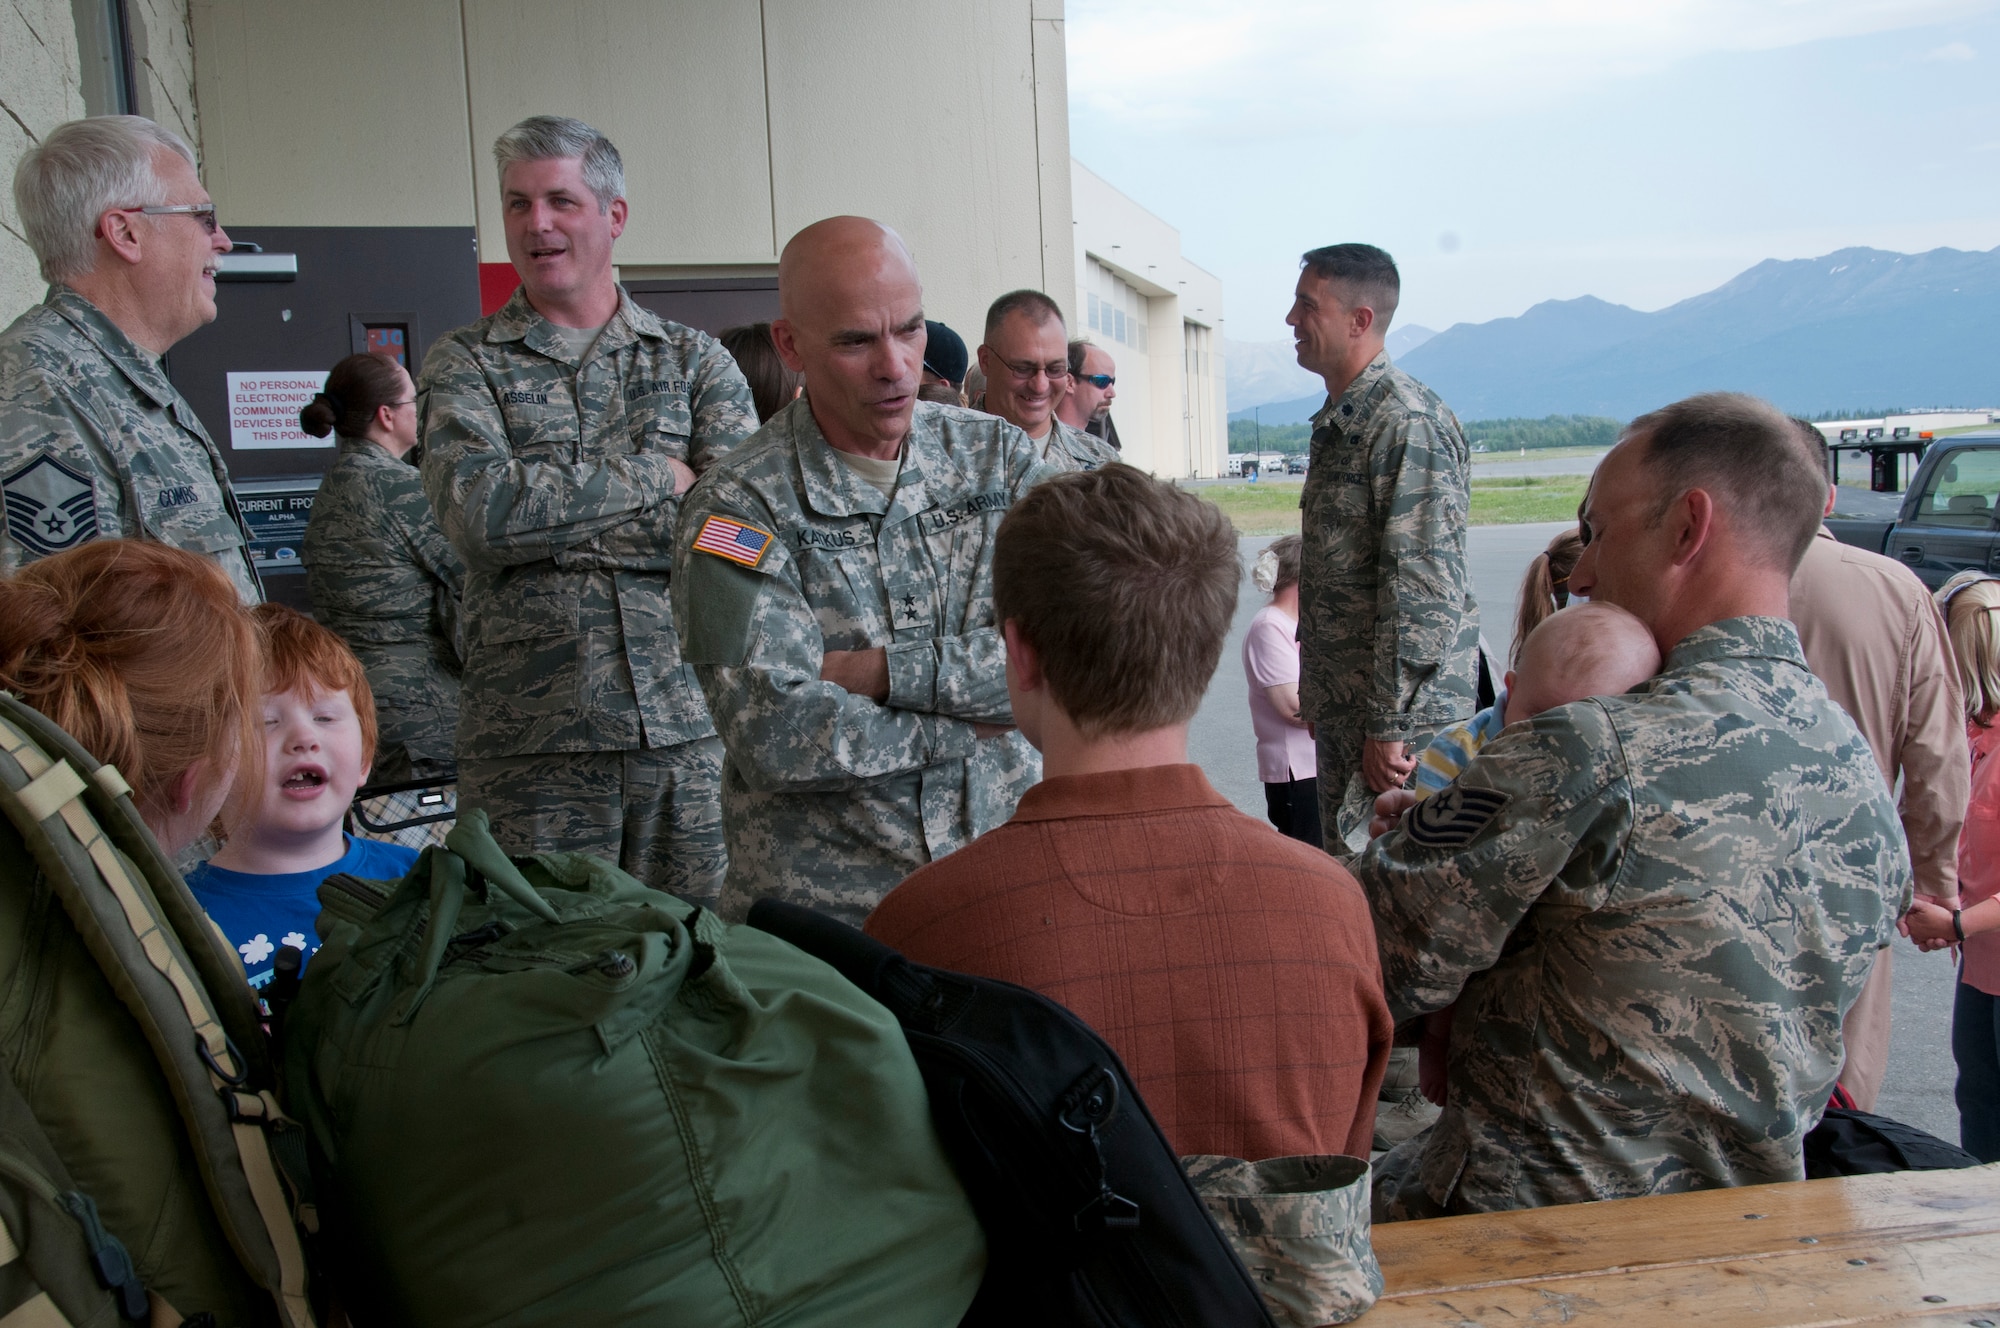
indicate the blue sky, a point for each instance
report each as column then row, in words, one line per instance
column 1513, row 151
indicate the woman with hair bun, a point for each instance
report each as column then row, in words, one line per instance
column 100, row 640
column 378, row 569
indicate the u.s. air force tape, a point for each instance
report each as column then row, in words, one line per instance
column 1453, row 816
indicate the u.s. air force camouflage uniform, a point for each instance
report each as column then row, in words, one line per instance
column 829, row 798
column 381, row 575
column 1073, row 449
column 1658, row 906
column 96, row 443
column 1388, row 630
column 1300, row 1226
column 579, row 727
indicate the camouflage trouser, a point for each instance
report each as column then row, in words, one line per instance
column 657, row 811
column 1345, row 800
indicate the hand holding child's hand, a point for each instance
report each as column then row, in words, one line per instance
column 1389, row 809
column 1928, row 924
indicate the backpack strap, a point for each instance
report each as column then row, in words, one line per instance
column 56, row 791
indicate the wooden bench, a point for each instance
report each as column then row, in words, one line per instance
column 1918, row 1247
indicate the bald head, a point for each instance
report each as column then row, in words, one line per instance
column 1583, row 650
column 853, row 325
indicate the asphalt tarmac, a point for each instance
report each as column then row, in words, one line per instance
column 1919, row 1080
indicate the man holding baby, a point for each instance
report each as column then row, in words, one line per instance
column 1653, row 907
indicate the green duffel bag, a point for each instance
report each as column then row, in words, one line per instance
column 138, row 1180
column 545, row 1094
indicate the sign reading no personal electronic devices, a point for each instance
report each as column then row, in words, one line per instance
column 264, row 410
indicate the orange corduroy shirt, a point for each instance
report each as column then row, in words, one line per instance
column 1233, row 970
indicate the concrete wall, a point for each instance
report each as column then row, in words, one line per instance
column 1168, row 423
column 739, row 123
column 39, row 89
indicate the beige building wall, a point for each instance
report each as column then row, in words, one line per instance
column 739, row 123
column 1171, row 403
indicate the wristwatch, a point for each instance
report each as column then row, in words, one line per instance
column 1958, row 923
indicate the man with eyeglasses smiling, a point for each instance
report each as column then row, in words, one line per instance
column 94, row 441
column 1026, row 362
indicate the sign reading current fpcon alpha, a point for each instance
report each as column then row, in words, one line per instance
column 264, row 409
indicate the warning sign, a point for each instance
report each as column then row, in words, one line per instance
column 264, row 410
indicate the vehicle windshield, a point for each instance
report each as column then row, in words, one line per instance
column 1963, row 492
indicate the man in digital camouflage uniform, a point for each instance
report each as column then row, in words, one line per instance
column 560, row 434
column 1388, row 631
column 834, row 590
column 94, row 441
column 1025, row 357
column 1652, row 909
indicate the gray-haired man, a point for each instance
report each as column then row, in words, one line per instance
column 94, row 441
column 559, row 435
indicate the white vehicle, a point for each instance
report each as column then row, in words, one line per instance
column 1272, row 463
column 1235, row 469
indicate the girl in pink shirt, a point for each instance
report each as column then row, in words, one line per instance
column 1971, row 604
column 1286, row 762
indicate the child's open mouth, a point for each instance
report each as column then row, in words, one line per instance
column 303, row 780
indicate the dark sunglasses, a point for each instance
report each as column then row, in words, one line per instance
column 1096, row 380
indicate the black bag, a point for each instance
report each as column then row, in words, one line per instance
column 1848, row 1142
column 1089, row 1219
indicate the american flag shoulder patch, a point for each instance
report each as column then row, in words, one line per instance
column 733, row 540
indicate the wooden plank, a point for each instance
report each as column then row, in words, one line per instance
column 1813, row 1287
column 1536, row 1244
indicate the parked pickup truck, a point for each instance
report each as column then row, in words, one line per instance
column 1948, row 519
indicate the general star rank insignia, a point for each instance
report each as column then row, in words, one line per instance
column 49, row 506
column 733, row 540
column 1454, row 816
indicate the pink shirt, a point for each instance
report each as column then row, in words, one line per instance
column 1271, row 657
column 1979, row 855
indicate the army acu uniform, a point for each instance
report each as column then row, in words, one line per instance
column 1073, row 449
column 1388, row 631
column 381, row 575
column 786, row 552
column 579, row 727
column 1653, row 910
column 95, row 443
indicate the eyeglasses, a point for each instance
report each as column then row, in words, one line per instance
column 1099, row 381
column 201, row 212
column 1027, row 372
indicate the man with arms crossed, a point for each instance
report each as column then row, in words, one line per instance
column 559, row 436
column 834, row 588
column 94, row 441
column 1025, row 358
column 1388, row 634
column 1652, row 909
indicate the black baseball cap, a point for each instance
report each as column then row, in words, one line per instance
column 944, row 353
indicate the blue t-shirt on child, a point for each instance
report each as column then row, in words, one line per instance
column 259, row 912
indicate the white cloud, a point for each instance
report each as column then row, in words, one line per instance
column 1952, row 53
column 1280, row 65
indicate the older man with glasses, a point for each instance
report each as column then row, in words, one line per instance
column 94, row 441
column 1026, row 362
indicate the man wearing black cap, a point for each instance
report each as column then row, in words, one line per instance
column 944, row 366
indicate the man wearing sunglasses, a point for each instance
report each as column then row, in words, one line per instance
column 1093, row 385
column 94, row 441
column 1026, row 362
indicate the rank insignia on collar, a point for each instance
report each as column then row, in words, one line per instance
column 49, row 506
column 1454, row 816
column 733, row 540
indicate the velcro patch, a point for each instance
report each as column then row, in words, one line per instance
column 1454, row 816
column 733, row 540
column 49, row 506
